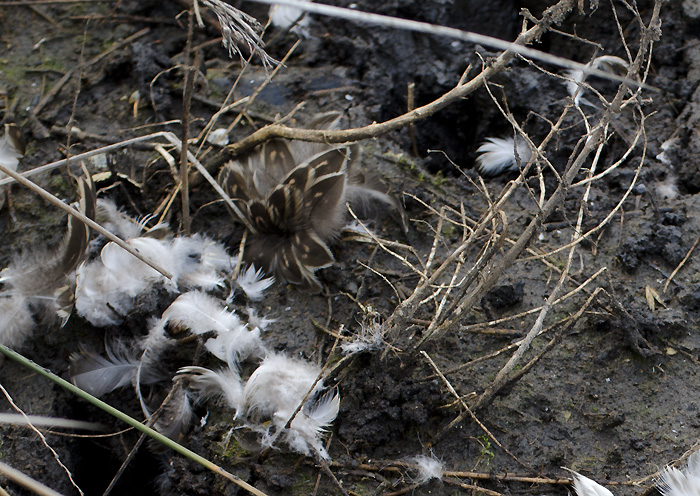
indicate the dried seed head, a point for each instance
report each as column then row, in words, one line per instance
column 239, row 28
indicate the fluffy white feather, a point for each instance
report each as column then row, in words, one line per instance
column 208, row 383
column 668, row 148
column 668, row 188
column 200, row 313
column 256, row 321
column 686, row 482
column 200, row 261
column 498, row 155
column 275, row 390
column 117, row 222
column 107, row 287
column 235, row 345
column 253, row 282
column 278, row 384
column 427, row 468
column 304, row 434
column 606, row 63
column 218, row 136
column 587, row 487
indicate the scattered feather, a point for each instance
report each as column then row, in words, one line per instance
column 116, row 221
column 427, row 468
column 275, row 390
column 498, row 155
column 587, row 487
column 235, row 345
column 256, row 321
column 668, row 188
column 99, row 375
column 16, row 320
column 667, row 147
column 40, row 282
column 607, row 63
column 107, row 288
column 686, row 482
column 253, row 283
column 225, row 383
column 200, row 313
column 304, row 434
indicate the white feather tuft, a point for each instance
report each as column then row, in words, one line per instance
column 214, row 383
column 235, row 345
column 253, row 282
column 427, row 468
column 200, row 313
column 304, row 435
column 107, row 288
column 668, row 188
column 668, row 148
column 218, row 136
column 276, row 389
column 686, row 482
column 116, row 221
column 587, row 487
column 498, row 155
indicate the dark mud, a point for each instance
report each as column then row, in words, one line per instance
column 614, row 397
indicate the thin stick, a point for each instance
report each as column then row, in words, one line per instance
column 468, row 410
column 129, row 420
column 82, row 156
column 551, row 16
column 82, row 218
column 26, row 481
column 411, row 128
column 685, row 259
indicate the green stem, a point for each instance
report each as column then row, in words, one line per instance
column 129, row 420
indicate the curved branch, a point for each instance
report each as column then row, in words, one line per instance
column 551, row 16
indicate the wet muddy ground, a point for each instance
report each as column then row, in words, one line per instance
column 613, row 394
